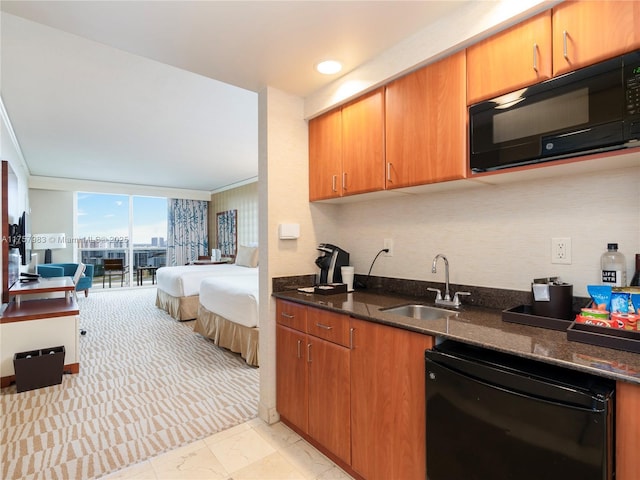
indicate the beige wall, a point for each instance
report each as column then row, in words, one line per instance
column 245, row 200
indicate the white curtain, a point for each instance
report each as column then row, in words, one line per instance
column 188, row 230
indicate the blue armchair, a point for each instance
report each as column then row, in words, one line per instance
column 48, row 270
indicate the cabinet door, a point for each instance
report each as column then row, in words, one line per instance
column 325, row 156
column 509, row 60
column 627, row 431
column 291, row 376
column 329, row 396
column 586, row 32
column 362, row 144
column 425, row 125
column 388, row 401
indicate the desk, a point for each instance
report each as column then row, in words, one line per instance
column 140, row 273
column 43, row 285
column 37, row 324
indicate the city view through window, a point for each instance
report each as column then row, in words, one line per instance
column 131, row 228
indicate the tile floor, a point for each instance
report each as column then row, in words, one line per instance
column 252, row 450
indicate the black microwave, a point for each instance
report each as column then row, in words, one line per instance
column 594, row 109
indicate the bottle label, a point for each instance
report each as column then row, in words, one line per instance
column 612, row 277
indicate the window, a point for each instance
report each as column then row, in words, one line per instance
column 133, row 228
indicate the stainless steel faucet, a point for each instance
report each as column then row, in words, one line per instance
column 447, row 296
column 446, row 273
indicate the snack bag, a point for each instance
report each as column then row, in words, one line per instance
column 601, row 296
column 619, row 302
column 635, row 303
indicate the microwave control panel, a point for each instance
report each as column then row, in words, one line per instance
column 631, row 74
column 632, row 85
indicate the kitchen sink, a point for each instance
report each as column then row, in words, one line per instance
column 422, row 312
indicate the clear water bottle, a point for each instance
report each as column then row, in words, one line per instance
column 613, row 266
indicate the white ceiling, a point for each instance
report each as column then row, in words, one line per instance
column 163, row 93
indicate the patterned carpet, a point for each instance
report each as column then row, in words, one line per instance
column 147, row 384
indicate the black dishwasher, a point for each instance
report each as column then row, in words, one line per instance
column 495, row 416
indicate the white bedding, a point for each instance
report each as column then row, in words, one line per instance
column 234, row 298
column 184, row 280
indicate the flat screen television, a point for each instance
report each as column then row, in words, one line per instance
column 20, row 238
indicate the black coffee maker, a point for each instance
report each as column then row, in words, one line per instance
column 330, row 262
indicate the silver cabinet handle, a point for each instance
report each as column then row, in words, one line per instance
column 326, row 327
column 344, row 180
column 351, row 333
column 333, row 182
column 389, row 165
column 299, row 348
column 535, row 57
column 564, row 45
column 308, row 352
column 287, row 315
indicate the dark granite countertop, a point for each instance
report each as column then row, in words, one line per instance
column 482, row 327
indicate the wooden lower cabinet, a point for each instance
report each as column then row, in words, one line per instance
column 313, row 379
column 292, row 376
column 329, row 396
column 627, row 431
column 361, row 399
column 388, row 401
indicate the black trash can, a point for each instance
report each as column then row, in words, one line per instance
column 38, row 368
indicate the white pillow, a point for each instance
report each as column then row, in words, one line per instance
column 247, row 256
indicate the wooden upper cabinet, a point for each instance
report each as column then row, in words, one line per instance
column 363, row 144
column 325, row 156
column 425, row 125
column 514, row 58
column 587, row 32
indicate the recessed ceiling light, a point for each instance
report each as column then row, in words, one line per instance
column 329, row 67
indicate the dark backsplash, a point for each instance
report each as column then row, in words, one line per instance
column 480, row 296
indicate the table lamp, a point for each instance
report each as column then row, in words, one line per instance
column 48, row 242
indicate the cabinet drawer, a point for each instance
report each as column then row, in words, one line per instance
column 330, row 326
column 292, row 315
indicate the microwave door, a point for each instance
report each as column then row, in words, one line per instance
column 549, row 120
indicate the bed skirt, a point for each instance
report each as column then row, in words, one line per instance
column 226, row 334
column 180, row 308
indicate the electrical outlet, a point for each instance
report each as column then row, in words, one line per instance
column 388, row 243
column 561, row 250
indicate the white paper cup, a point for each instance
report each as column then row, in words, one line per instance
column 347, row 277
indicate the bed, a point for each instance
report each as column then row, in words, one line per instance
column 179, row 286
column 228, row 314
